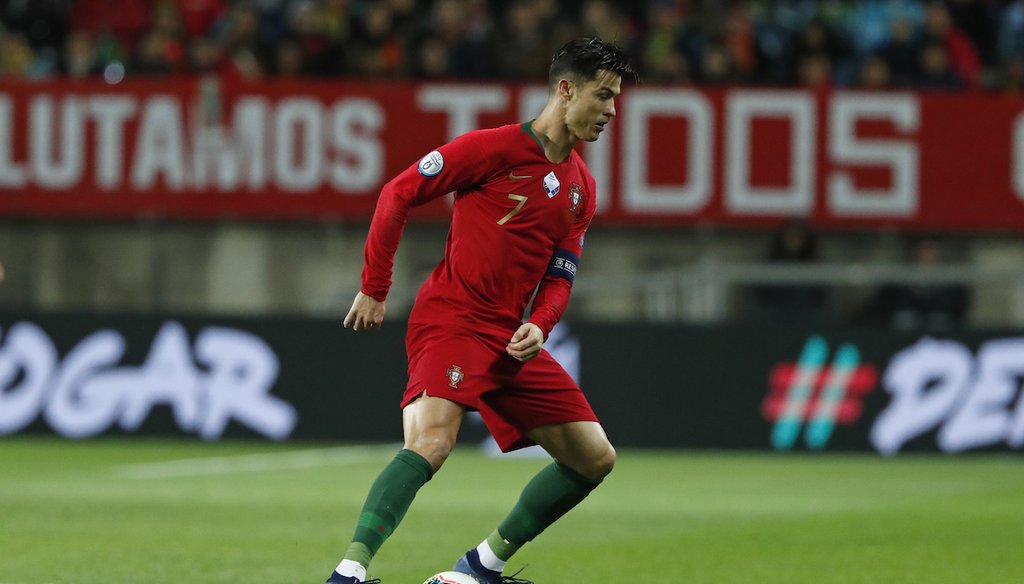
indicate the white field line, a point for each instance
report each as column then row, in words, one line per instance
column 224, row 465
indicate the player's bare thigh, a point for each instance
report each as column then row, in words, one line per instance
column 582, row 446
column 431, row 425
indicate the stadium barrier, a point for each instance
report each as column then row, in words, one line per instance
column 741, row 386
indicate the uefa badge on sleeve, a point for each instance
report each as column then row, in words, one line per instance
column 431, row 164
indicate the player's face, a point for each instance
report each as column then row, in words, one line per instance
column 592, row 105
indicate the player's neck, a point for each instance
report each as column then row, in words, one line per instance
column 554, row 135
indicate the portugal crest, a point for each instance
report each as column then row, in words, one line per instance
column 455, row 376
column 575, row 198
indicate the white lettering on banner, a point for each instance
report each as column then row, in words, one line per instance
column 110, row 112
column 12, row 175
column 462, row 103
column 982, row 418
column 299, row 144
column 86, row 392
column 233, row 157
column 29, row 351
column 304, row 143
column 160, row 145
column 638, row 194
column 195, row 155
column 901, row 199
column 1018, row 156
column 242, row 369
column 359, row 161
column 939, row 384
column 742, row 108
column 65, row 169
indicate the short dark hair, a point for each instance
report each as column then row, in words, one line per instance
column 581, row 59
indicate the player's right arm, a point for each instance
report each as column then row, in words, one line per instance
column 462, row 163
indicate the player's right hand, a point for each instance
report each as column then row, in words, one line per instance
column 366, row 314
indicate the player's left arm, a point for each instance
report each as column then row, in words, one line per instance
column 555, row 288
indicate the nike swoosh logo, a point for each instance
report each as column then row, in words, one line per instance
column 513, row 176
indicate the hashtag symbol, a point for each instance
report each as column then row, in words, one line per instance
column 819, row 394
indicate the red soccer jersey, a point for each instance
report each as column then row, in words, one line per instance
column 518, row 221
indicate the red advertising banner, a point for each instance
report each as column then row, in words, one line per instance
column 195, row 148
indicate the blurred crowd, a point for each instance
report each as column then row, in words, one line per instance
column 872, row 44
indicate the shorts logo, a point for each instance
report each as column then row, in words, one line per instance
column 575, row 198
column 551, row 184
column 455, row 376
column 431, row 164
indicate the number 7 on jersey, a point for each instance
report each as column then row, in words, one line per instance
column 512, row 213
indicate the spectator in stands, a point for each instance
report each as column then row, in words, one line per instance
column 120, row 23
column 79, row 59
column 204, row 55
column 322, row 42
column 773, row 52
column 16, row 56
column 738, row 37
column 336, row 22
column 795, row 243
column 717, row 66
column 814, row 72
column 974, row 19
column 869, row 27
column 1011, row 30
column 936, row 72
column 902, row 53
column 152, row 55
column 961, row 55
column 288, row 61
column 239, row 30
column 678, row 41
column 44, row 22
column 199, row 16
column 378, row 51
column 874, row 74
column 914, row 306
column 166, row 22
column 818, row 48
column 519, row 49
column 662, row 49
column 605, row 19
column 432, row 59
column 455, row 42
column 1011, row 82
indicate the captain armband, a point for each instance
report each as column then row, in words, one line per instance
column 563, row 265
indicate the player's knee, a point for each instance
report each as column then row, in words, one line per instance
column 599, row 464
column 604, row 463
column 433, row 446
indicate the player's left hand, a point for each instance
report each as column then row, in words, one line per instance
column 366, row 314
column 526, row 343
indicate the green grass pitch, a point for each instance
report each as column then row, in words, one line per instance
column 155, row 512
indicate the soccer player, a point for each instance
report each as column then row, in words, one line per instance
column 523, row 202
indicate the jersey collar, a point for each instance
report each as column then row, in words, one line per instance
column 526, row 128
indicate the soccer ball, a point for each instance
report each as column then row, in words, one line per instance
column 451, row 578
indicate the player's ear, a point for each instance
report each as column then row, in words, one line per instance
column 565, row 89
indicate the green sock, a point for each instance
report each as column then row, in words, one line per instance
column 550, row 494
column 386, row 504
